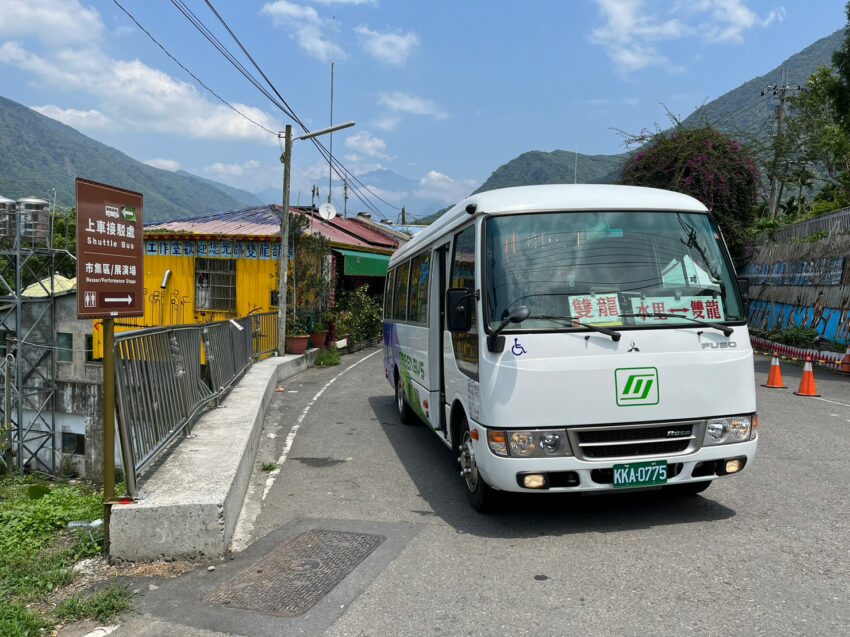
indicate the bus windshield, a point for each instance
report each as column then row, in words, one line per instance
column 617, row 269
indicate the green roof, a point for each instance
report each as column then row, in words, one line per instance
column 364, row 263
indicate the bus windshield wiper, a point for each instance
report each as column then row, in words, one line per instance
column 571, row 322
column 727, row 331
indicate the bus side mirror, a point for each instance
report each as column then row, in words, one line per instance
column 459, row 306
column 744, row 289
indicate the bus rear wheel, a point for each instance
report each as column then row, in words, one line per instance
column 405, row 413
column 481, row 496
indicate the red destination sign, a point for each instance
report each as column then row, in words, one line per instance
column 110, row 251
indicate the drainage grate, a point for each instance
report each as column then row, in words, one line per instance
column 297, row 574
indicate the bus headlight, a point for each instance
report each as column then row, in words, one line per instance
column 721, row 431
column 523, row 443
column 529, row 443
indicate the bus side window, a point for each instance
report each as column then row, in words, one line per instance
column 419, row 276
column 400, row 294
column 463, row 276
column 388, row 295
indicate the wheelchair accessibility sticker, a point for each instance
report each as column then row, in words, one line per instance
column 517, row 349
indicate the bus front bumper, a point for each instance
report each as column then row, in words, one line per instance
column 565, row 474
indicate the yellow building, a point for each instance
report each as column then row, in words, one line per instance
column 225, row 265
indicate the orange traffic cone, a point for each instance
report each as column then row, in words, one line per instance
column 807, row 382
column 845, row 364
column 774, row 378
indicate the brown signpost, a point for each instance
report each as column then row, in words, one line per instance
column 110, row 251
column 110, row 283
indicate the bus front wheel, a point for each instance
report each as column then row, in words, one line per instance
column 481, row 495
column 405, row 413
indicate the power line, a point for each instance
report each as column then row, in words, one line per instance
column 195, row 77
column 289, row 110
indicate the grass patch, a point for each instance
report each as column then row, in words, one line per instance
column 17, row 621
column 327, row 357
column 104, row 605
column 268, row 467
column 36, row 549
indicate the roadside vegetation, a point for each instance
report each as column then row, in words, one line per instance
column 327, row 357
column 802, row 337
column 37, row 552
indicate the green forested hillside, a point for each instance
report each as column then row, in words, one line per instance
column 38, row 154
column 558, row 167
column 744, row 111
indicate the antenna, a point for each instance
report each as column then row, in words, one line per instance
column 327, row 211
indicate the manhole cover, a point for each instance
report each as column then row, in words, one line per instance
column 297, row 574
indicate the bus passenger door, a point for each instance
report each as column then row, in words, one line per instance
column 437, row 324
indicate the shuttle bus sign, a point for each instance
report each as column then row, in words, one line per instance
column 110, row 251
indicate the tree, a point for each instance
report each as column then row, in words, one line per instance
column 706, row 164
column 814, row 140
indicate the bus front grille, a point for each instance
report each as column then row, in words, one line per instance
column 633, row 441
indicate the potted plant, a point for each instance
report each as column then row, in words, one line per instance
column 319, row 333
column 296, row 334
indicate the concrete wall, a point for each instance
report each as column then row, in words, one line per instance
column 802, row 283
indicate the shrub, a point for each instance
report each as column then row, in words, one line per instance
column 364, row 314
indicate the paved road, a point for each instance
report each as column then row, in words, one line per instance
column 763, row 554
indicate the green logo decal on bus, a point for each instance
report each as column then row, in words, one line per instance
column 636, row 386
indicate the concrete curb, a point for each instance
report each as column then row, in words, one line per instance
column 193, row 500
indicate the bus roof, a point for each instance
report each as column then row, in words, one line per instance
column 548, row 197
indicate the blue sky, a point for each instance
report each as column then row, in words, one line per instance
column 442, row 91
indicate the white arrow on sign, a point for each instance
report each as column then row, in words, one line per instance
column 124, row 299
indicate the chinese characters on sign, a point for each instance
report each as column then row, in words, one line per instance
column 704, row 308
column 604, row 309
column 254, row 250
column 110, row 267
column 598, row 309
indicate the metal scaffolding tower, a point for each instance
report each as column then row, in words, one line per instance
column 28, row 264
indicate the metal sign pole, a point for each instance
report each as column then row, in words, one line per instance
column 108, row 426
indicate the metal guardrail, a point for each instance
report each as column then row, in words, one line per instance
column 838, row 221
column 162, row 386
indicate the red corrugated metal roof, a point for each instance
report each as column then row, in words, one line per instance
column 265, row 222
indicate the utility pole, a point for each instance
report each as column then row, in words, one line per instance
column 781, row 92
column 345, row 198
column 283, row 262
column 403, row 216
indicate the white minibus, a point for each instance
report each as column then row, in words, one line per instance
column 574, row 338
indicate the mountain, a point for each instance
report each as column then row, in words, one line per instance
column 38, row 154
column 270, row 195
column 558, row 167
column 745, row 112
column 243, row 197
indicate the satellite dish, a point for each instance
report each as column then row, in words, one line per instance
column 327, row 211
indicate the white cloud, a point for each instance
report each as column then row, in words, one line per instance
column 232, row 170
column 307, row 27
column 171, row 165
column 133, row 95
column 84, row 120
column 387, row 122
column 54, row 23
column 633, row 31
column 435, row 185
column 597, row 101
column 399, row 102
column 367, row 144
column 388, row 48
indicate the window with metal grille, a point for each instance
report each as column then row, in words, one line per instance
column 215, row 284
